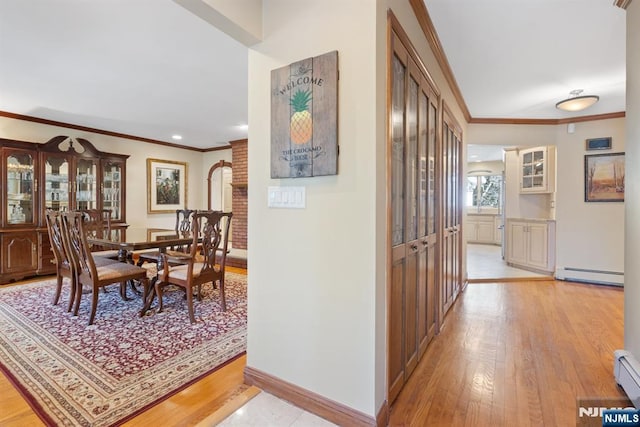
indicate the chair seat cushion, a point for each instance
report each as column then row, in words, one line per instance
column 106, row 254
column 118, row 270
column 100, row 261
column 152, row 256
column 179, row 272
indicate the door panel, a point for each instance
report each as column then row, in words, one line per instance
column 413, row 214
column 451, row 210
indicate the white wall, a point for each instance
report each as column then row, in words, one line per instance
column 312, row 293
column 632, row 193
column 588, row 235
column 136, row 203
column 511, row 135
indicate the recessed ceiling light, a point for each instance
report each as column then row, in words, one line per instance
column 177, row 137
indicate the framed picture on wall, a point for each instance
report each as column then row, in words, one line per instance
column 598, row 144
column 604, row 177
column 166, row 185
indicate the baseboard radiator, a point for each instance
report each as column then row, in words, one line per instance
column 599, row 277
column 626, row 370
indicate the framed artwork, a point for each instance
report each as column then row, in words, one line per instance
column 160, row 234
column 604, row 177
column 598, row 144
column 166, row 186
column 304, row 118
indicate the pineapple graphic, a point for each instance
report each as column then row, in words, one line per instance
column 301, row 122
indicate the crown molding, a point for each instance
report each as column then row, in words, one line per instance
column 103, row 132
column 623, row 4
column 424, row 20
column 591, row 118
column 420, row 10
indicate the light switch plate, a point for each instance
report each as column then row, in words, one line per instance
column 286, row 197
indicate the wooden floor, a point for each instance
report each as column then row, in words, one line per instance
column 516, row 354
column 508, row 354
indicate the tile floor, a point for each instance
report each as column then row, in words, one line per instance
column 266, row 410
column 485, row 262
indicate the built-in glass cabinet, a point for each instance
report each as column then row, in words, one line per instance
column 537, row 170
column 62, row 174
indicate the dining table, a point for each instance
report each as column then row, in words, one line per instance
column 128, row 240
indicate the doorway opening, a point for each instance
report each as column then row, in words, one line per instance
column 221, row 191
column 484, row 215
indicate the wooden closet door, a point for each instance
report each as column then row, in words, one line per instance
column 451, row 213
column 397, row 222
column 427, row 248
column 412, row 293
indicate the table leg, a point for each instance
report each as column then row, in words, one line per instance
column 149, row 296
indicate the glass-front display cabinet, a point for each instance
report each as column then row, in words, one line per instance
column 56, row 182
column 20, row 186
column 112, row 185
column 62, row 175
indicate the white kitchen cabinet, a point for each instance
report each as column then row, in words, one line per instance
column 482, row 228
column 530, row 244
column 538, row 170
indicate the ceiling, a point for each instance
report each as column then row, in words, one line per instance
column 152, row 69
column 148, row 68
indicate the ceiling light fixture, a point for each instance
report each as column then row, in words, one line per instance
column 577, row 102
column 177, row 137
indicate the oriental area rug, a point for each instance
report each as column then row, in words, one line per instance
column 73, row 374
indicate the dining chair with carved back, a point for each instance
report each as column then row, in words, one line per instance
column 98, row 224
column 88, row 272
column 182, row 228
column 63, row 264
column 205, row 262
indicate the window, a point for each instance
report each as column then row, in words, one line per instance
column 484, row 191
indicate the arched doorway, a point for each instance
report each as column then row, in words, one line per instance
column 220, row 195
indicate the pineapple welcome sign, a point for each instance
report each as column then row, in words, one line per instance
column 304, row 118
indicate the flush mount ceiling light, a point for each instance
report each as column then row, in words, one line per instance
column 577, row 102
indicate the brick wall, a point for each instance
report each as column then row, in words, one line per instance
column 240, row 180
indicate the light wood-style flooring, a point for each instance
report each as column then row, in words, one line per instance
column 508, row 354
column 516, row 354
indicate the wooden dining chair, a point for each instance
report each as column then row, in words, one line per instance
column 182, row 228
column 63, row 264
column 98, row 224
column 205, row 262
column 88, row 273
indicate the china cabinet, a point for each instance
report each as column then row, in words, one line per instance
column 62, row 174
column 537, row 170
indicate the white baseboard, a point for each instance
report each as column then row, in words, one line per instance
column 626, row 370
column 600, row 277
